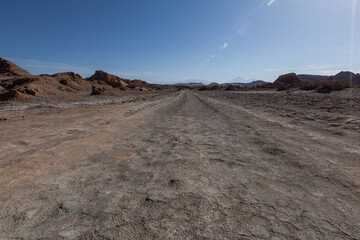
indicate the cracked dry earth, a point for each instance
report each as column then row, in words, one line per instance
column 186, row 165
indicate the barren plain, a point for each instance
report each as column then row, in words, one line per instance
column 182, row 165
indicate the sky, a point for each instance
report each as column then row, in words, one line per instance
column 168, row 41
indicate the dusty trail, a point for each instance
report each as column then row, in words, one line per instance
column 174, row 167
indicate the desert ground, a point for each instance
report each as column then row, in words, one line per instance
column 182, row 165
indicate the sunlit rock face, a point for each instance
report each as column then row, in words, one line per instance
column 9, row 68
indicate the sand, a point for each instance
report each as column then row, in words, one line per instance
column 182, row 165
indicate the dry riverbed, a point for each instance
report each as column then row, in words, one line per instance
column 182, row 165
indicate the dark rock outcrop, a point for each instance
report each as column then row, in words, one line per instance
column 289, row 80
column 348, row 78
column 109, row 79
column 308, row 78
column 96, row 90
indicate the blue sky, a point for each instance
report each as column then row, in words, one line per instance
column 189, row 40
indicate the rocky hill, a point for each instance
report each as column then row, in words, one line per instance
column 8, row 68
column 102, row 77
column 17, row 83
column 348, row 78
column 290, row 79
column 312, row 78
column 111, row 80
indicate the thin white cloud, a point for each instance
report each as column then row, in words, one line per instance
column 334, row 71
column 40, row 67
column 312, row 69
column 135, row 75
column 307, row 67
column 44, row 67
column 328, row 72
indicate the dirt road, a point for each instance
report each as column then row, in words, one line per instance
column 186, row 165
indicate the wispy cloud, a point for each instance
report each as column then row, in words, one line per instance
column 45, row 67
column 314, row 66
column 135, row 75
column 39, row 67
column 312, row 69
column 307, row 67
column 328, row 72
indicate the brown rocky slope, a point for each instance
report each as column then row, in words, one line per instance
column 8, row 68
column 18, row 84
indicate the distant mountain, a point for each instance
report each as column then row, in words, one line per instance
column 109, row 79
column 238, row 80
column 242, row 84
column 312, row 78
column 189, row 84
column 194, row 80
column 255, row 83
